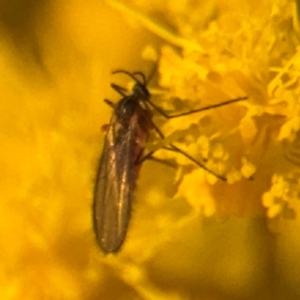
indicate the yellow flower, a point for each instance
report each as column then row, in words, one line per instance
column 192, row 235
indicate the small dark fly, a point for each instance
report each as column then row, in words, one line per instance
column 123, row 153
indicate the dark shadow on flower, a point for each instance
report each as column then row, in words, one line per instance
column 19, row 20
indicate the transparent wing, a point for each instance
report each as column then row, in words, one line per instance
column 114, row 187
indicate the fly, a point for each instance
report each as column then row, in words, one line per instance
column 126, row 134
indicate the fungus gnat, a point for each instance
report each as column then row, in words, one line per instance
column 129, row 128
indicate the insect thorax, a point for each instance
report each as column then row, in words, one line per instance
column 126, row 107
column 140, row 91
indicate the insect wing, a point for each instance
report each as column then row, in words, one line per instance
column 114, row 186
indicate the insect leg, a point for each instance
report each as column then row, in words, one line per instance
column 147, row 156
column 141, row 74
column 132, row 75
column 178, row 150
column 173, row 148
column 167, row 116
column 119, row 89
column 111, row 104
